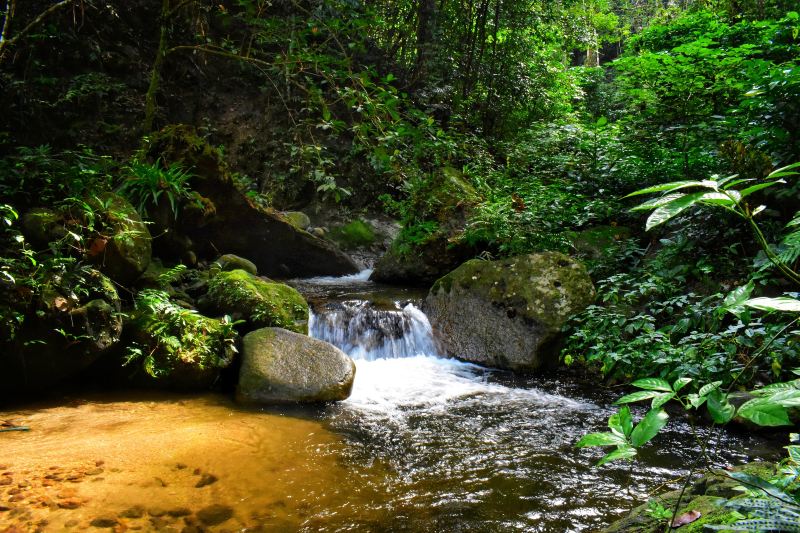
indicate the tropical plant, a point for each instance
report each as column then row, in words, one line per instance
column 148, row 183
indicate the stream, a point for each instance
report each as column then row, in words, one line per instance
column 424, row 444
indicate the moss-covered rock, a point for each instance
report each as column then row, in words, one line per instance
column 125, row 254
column 43, row 226
column 509, row 313
column 430, row 246
column 261, row 303
column 71, row 320
column 355, row 234
column 707, row 496
column 230, row 262
column 280, row 366
column 223, row 218
column 298, row 219
column 175, row 347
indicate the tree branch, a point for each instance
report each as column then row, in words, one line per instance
column 6, row 43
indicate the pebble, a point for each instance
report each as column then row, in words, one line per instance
column 4, row 508
column 6, row 480
column 180, row 466
column 156, row 511
column 215, row 514
column 137, row 511
column 104, row 521
column 206, row 479
column 70, row 503
column 179, row 511
column 71, row 523
column 94, row 472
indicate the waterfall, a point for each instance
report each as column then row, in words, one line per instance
column 366, row 332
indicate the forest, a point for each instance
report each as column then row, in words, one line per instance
column 481, row 265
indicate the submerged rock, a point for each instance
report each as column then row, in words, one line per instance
column 261, row 303
column 280, row 366
column 508, row 313
column 223, row 218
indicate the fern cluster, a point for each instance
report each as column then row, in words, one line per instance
column 171, row 336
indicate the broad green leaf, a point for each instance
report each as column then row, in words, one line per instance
column 623, row 452
column 638, row 396
column 719, row 198
column 773, row 388
column 734, row 301
column 783, row 171
column 755, row 188
column 658, row 202
column 719, row 407
column 674, row 186
column 680, row 383
column 652, row 384
column 661, row 399
column 602, row 121
column 621, row 422
column 600, row 439
column 752, row 481
column 794, row 453
column 782, row 303
column 786, row 398
column 705, row 389
column 763, row 412
column 671, row 210
column 648, row 427
column 695, row 400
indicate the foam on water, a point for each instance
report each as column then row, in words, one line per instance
column 360, row 277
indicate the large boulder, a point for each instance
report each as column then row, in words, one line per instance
column 125, row 251
column 430, row 245
column 281, row 366
column 262, row 303
column 221, row 217
column 72, row 319
column 508, row 313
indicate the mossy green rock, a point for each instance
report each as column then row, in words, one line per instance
column 43, row 226
column 355, row 234
column 707, row 496
column 298, row 219
column 508, row 313
column 230, row 262
column 129, row 250
column 280, row 366
column 63, row 332
column 260, row 302
column 203, row 347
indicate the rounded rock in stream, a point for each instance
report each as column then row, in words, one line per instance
column 508, row 313
column 280, row 366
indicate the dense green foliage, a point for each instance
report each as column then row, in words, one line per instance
column 491, row 127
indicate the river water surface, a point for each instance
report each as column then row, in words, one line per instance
column 423, row 444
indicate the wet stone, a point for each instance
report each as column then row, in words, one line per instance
column 94, row 471
column 70, row 503
column 180, row 466
column 71, row 523
column 156, row 511
column 215, row 514
column 137, row 511
column 6, row 480
column 104, row 521
column 179, row 511
column 206, row 479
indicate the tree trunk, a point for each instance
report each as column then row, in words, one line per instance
column 426, row 30
column 150, row 106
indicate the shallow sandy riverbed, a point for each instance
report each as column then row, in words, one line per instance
column 166, row 463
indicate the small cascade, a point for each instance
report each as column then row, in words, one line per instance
column 365, row 331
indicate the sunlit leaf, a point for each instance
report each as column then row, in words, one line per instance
column 782, row 303
column 600, row 439
column 755, row 188
column 671, row 210
column 648, row 427
column 625, row 452
column 680, row 383
column 652, row 384
column 719, row 407
column 638, row 396
column 763, row 412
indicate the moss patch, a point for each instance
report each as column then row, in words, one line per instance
column 261, row 303
column 354, row 235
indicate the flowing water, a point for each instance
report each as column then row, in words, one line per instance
column 423, row 444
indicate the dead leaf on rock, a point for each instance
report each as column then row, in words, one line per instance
column 686, row 518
